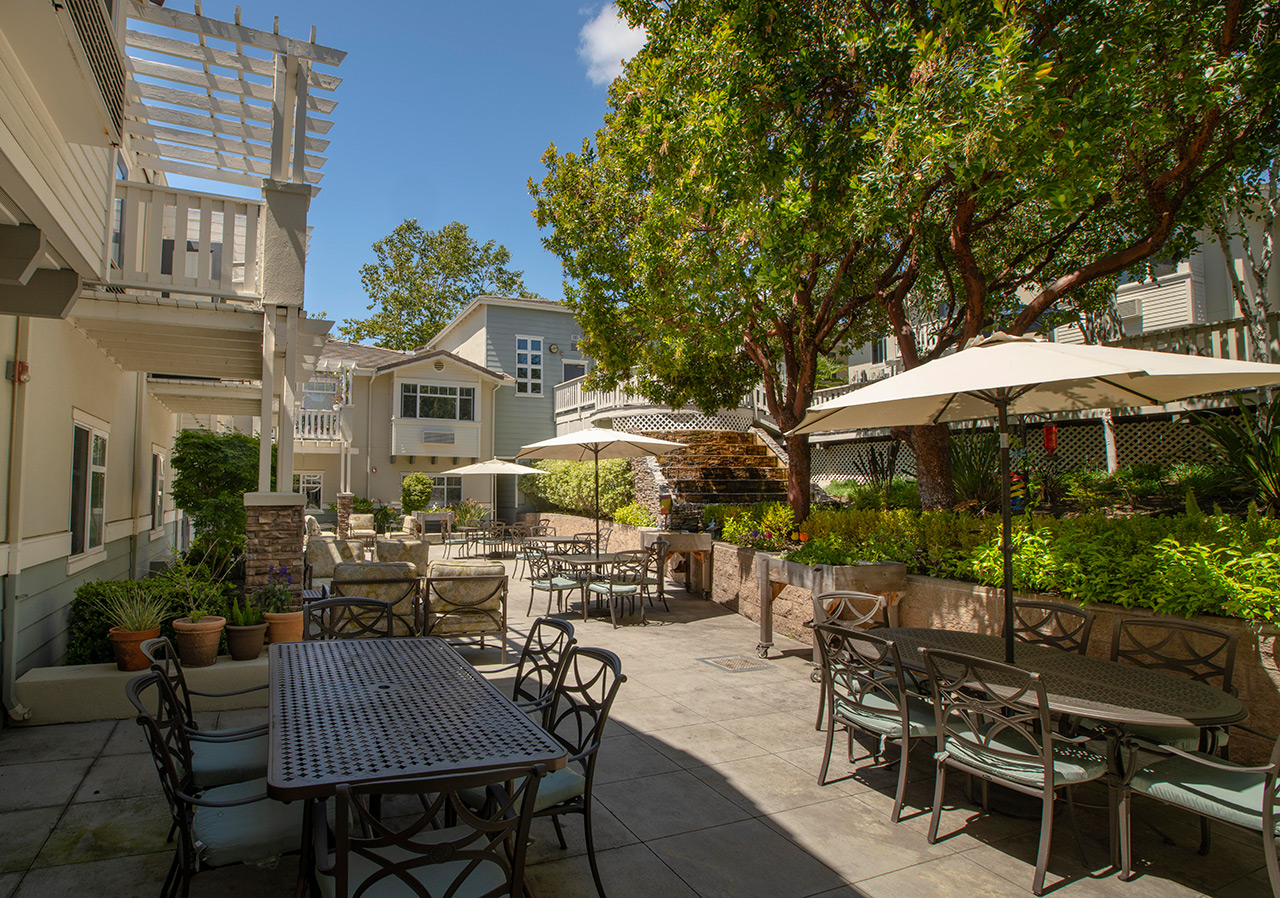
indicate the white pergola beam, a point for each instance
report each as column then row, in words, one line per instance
column 227, row 31
column 167, row 46
column 209, row 81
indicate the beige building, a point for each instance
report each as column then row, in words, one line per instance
column 126, row 300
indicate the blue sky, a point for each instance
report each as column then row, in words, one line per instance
column 444, row 112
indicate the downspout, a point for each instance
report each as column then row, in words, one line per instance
column 493, row 443
column 368, row 432
column 137, row 461
column 13, row 530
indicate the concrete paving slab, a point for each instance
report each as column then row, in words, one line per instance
column 9, row 884
column 950, row 877
column 649, row 715
column 629, row 757
column 702, row 744
column 764, row 785
column 119, row 776
column 119, row 877
column 667, row 804
column 98, row 830
column 630, row 872
column 22, row 834
column 23, row 745
column 41, row 785
column 609, row 834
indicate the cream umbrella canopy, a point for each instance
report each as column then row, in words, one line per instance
column 593, row 444
column 1004, row 374
column 494, row 467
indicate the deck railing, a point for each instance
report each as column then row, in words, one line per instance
column 313, row 424
column 177, row 241
column 1220, row 340
column 574, row 404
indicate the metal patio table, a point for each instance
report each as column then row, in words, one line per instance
column 593, row 561
column 361, row 710
column 1099, row 689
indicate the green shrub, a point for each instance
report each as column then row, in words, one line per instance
column 569, row 486
column 766, row 525
column 636, row 515
column 902, row 493
column 1248, row 445
column 211, row 474
column 415, row 493
column 975, row 468
column 87, row 640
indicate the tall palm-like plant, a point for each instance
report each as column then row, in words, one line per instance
column 1248, row 445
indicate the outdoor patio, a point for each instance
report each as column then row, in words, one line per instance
column 706, row 787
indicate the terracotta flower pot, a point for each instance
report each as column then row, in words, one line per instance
column 245, row 643
column 284, row 626
column 128, row 647
column 198, row 640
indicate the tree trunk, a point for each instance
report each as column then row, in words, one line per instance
column 798, row 475
column 932, row 445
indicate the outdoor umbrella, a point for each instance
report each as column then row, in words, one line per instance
column 595, row 443
column 1026, row 375
column 495, row 466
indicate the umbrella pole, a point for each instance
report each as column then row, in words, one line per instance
column 596, row 452
column 1006, row 528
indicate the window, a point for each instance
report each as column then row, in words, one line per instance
column 447, row 490
column 429, row 401
column 320, row 393
column 88, row 488
column 879, row 351
column 529, row 366
column 573, row 370
column 157, row 490
column 311, row 485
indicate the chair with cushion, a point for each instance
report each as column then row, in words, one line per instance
column 1245, row 797
column 864, row 689
column 465, row 599
column 411, row 551
column 229, row 824
column 538, row 668
column 624, row 580
column 314, row 529
column 992, row 722
column 850, row 609
column 325, row 553
column 482, row 856
column 655, row 570
column 219, row 757
column 362, row 527
column 392, row 581
column 543, row 577
column 1054, row 624
column 346, row 618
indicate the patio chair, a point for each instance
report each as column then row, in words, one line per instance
column 851, row 609
column 522, row 545
column 544, row 578
column 992, row 721
column 655, row 570
column 538, row 668
column 482, row 855
column 465, row 599
column 864, row 689
column 576, row 716
column 362, row 527
column 218, row 757
column 624, row 581
column 412, row 551
column 396, row 582
column 313, row 527
column 1245, row 797
column 215, row 827
column 325, row 553
column 1054, row 624
column 347, row 618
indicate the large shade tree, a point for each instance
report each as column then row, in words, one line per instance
column 778, row 175
column 423, row 278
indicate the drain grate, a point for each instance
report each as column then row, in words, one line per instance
column 736, row 663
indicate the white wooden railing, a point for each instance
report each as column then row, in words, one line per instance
column 576, row 405
column 313, row 424
column 1220, row 340
column 177, row 241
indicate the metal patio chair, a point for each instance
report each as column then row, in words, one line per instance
column 1054, row 624
column 538, row 667
column 347, row 618
column 850, row 609
column 623, row 582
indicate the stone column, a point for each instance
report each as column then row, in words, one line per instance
column 344, row 515
column 273, row 539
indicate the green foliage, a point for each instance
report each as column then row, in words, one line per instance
column 975, row 468
column 212, row 472
column 1207, row 485
column 901, row 493
column 193, row 587
column 766, row 525
column 244, row 613
column 635, row 514
column 135, row 608
column 415, row 493
column 89, row 619
column 569, row 486
column 468, row 513
column 274, row 598
column 1248, row 444
column 423, row 278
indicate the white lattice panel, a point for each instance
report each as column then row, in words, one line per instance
column 652, row 422
column 848, row 461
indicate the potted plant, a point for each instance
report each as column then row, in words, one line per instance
column 284, row 622
column 246, row 628
column 197, row 592
column 135, row 614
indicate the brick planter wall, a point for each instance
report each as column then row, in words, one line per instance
column 273, row 539
column 344, row 514
column 625, row 537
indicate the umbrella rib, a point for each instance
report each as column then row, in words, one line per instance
column 1112, row 383
column 942, row 411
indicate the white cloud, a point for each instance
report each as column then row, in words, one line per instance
column 605, row 42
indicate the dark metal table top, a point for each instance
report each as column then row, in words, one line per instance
column 373, row 709
column 589, row 560
column 1096, row 688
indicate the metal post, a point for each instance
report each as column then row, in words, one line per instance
column 1006, row 532
column 596, row 451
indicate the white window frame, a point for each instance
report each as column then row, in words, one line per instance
column 88, row 555
column 564, row 361
column 534, row 347
column 442, row 486
column 420, row 385
column 302, row 480
column 158, row 478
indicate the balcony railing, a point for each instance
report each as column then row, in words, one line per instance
column 312, row 424
column 576, row 405
column 1220, row 340
column 176, row 241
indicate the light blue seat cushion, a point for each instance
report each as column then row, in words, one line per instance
column 880, row 715
column 436, row 878
column 234, row 761
column 1233, row 796
column 619, row 589
column 1186, row 738
column 247, row 832
column 554, row 584
column 557, row 786
column 1071, row 763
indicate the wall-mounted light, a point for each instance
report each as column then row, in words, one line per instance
column 374, row 469
column 19, row 372
column 553, row 348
